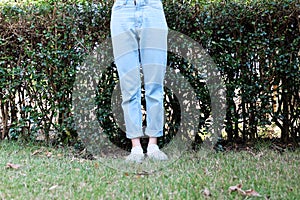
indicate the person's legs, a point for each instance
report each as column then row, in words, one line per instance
column 153, row 52
column 126, row 55
column 128, row 67
column 130, row 82
column 141, row 25
column 154, row 64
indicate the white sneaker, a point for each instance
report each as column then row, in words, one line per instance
column 154, row 153
column 136, row 155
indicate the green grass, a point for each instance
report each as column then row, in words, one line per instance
column 59, row 175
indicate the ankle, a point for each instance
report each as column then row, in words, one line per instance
column 152, row 140
column 135, row 142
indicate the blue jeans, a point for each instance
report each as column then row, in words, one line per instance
column 139, row 37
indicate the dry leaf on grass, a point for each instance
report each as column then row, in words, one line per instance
column 13, row 166
column 206, row 192
column 206, row 171
column 42, row 151
column 53, row 187
column 252, row 193
column 239, row 189
column 59, row 155
column 37, row 152
column 96, row 165
column 235, row 188
column 48, row 154
column 77, row 169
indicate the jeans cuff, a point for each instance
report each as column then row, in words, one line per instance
column 134, row 135
column 154, row 133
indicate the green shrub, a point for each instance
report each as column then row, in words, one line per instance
column 255, row 45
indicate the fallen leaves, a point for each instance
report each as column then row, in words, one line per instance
column 77, row 170
column 36, row 152
column 13, row 166
column 46, row 153
column 238, row 188
column 53, row 187
column 138, row 175
column 49, row 154
column 96, row 165
column 252, row 193
column 235, row 188
column 206, row 192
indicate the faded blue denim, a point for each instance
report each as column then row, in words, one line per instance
column 139, row 37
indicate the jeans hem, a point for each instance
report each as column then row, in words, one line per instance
column 154, row 133
column 132, row 136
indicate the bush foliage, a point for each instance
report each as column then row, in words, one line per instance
column 255, row 44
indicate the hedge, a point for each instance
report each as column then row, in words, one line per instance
column 255, row 45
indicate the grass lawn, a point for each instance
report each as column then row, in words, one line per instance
column 35, row 172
